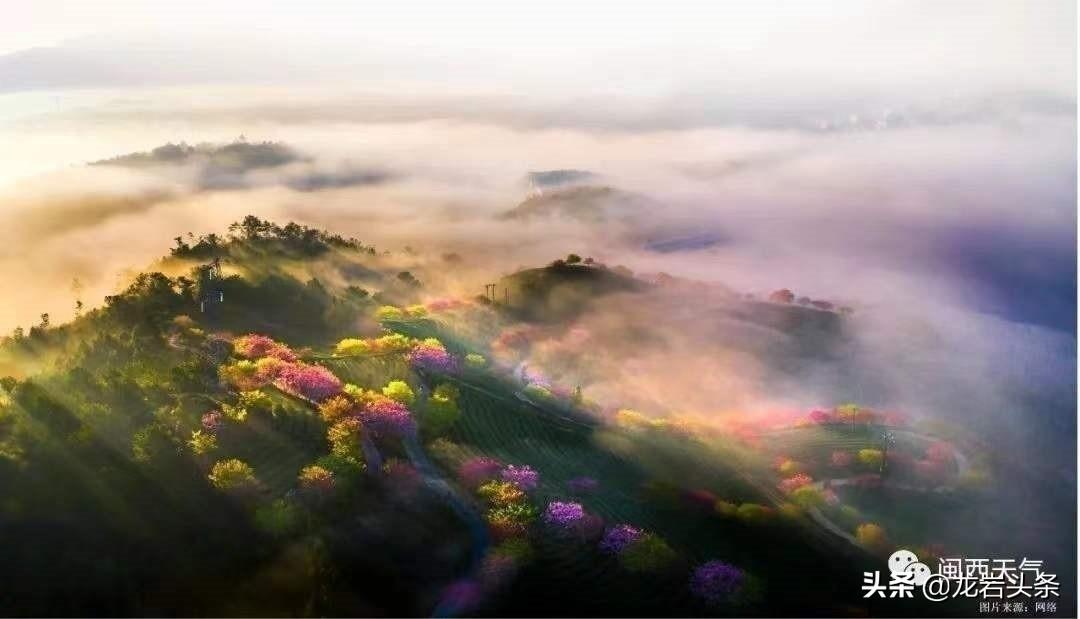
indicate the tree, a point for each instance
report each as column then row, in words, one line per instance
column 871, row 536
column 782, row 296
column 573, row 259
column 76, row 290
column 650, row 553
column 202, row 442
column 389, row 312
column 408, row 279
column 232, row 475
column 44, row 321
column 399, row 391
column 442, row 410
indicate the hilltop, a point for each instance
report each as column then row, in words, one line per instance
column 562, row 289
column 587, row 203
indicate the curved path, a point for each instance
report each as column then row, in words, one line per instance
column 434, row 481
column 963, row 465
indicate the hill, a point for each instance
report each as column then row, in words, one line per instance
column 587, row 203
column 560, row 291
column 264, row 436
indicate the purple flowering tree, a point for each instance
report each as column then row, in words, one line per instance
column 430, row 354
column 564, row 515
column 618, row 537
column 523, row 476
column 714, row 582
column 387, row 418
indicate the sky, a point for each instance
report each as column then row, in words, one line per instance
column 950, row 46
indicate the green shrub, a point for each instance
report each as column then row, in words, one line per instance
column 648, row 554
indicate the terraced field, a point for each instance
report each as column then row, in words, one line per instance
column 277, row 446
column 645, row 479
column 370, row 372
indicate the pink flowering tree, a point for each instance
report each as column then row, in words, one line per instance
column 841, row 459
column 384, row 417
column 313, row 382
column 475, row 471
column 255, row 346
column 795, row 482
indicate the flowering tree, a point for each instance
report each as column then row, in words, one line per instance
column 268, row 369
column 430, row 354
column 871, row 458
column 563, row 514
column 255, row 399
column 841, row 459
column 352, row 346
column 871, row 536
column 344, row 437
column 310, row 381
column 386, row 417
column 501, row 493
column 233, row 475
column 715, row 582
column 476, row 471
column 390, row 343
column 782, row 296
column 255, row 346
column 400, row 391
column 788, row 467
column 523, row 476
column 618, row 537
column 316, row 480
column 791, row 484
column 242, row 375
column 212, row 421
column 389, row 312
column 337, row 408
column 234, row 413
column 444, row 304
column 808, row 497
column 511, row 519
column 202, row 442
